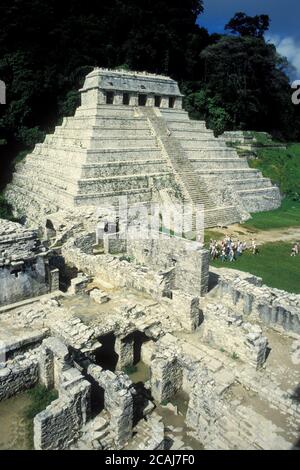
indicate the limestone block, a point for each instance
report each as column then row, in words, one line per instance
column 99, row 296
column 124, row 347
column 166, row 378
column 78, row 284
column 54, row 280
column 187, row 310
column 114, row 243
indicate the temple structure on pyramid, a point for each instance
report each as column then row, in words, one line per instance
column 131, row 137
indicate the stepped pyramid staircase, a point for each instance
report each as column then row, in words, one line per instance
column 196, row 190
column 217, row 164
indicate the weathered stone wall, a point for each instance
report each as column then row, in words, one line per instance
column 190, row 260
column 17, row 286
column 222, row 422
column 247, row 294
column 53, row 361
column 118, row 401
column 166, row 378
column 166, row 370
column 114, row 244
column 59, row 424
column 17, row 376
column 118, row 273
column 22, row 264
column 224, row 329
column 187, row 310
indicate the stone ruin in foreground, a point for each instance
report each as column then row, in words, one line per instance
column 147, row 346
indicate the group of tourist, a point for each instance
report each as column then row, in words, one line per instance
column 229, row 250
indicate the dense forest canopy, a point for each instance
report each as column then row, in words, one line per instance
column 235, row 81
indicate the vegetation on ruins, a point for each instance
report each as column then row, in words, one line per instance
column 282, row 167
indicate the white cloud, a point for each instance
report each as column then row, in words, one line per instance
column 289, row 48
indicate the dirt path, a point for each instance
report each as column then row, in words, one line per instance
column 291, row 234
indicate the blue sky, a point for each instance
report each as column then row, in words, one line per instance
column 285, row 21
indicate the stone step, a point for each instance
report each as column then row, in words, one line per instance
column 105, row 111
column 221, row 216
column 58, row 182
column 85, row 185
column 262, row 202
column 47, row 149
column 55, row 160
column 99, row 132
column 219, row 163
column 123, row 168
column 112, row 197
column 193, row 132
column 118, row 183
column 123, row 155
column 114, row 122
column 187, row 127
column 94, row 170
column 22, row 195
column 78, row 155
column 55, row 169
column 236, row 173
column 213, row 146
column 245, row 193
column 52, row 192
column 216, row 152
column 183, row 124
column 101, row 142
column 251, row 183
column 196, row 189
column 202, row 144
column 173, row 115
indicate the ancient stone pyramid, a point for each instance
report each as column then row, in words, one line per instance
column 131, row 137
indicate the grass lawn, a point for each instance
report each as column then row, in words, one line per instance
column 282, row 166
column 273, row 264
column 212, row 235
column 288, row 215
